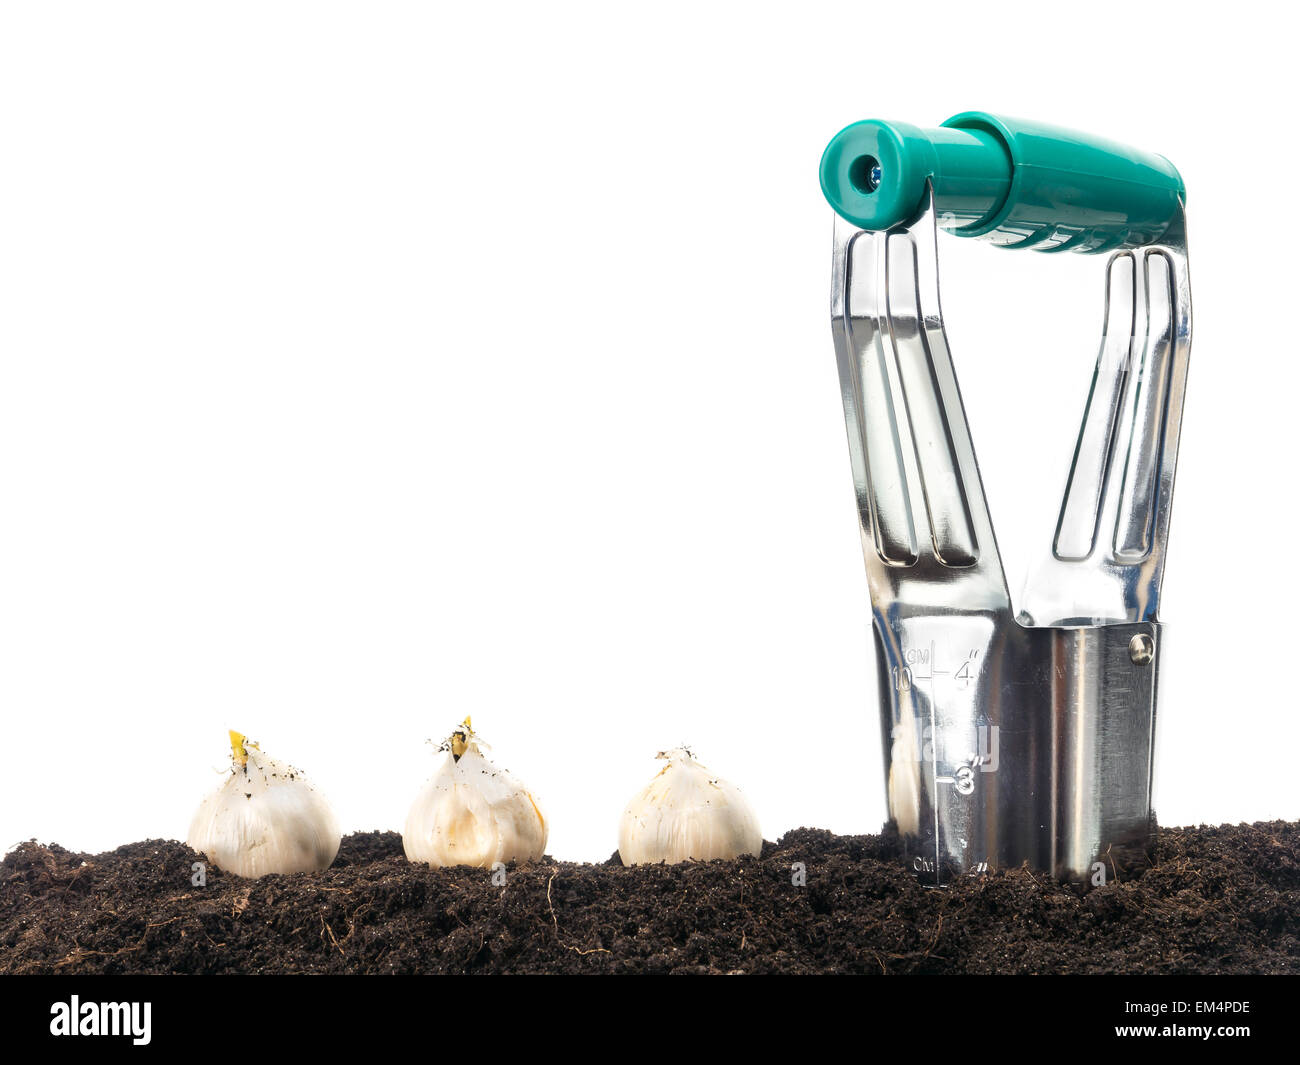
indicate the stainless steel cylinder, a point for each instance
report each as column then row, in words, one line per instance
column 1007, row 745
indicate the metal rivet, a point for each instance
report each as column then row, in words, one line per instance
column 1141, row 649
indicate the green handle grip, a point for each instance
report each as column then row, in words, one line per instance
column 1021, row 184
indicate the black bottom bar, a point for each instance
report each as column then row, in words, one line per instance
column 204, row 1014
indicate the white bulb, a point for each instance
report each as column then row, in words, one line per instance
column 472, row 813
column 264, row 819
column 687, row 813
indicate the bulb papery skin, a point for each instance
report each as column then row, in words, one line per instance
column 472, row 813
column 687, row 814
column 266, row 818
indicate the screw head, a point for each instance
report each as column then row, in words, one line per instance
column 1141, row 649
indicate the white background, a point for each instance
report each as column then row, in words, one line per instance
column 364, row 366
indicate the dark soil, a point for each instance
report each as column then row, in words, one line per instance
column 1216, row 900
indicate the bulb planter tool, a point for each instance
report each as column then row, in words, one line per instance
column 1010, row 738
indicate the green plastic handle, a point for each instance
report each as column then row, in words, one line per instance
column 1021, row 184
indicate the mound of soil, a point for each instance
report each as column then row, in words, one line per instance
column 1216, row 900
